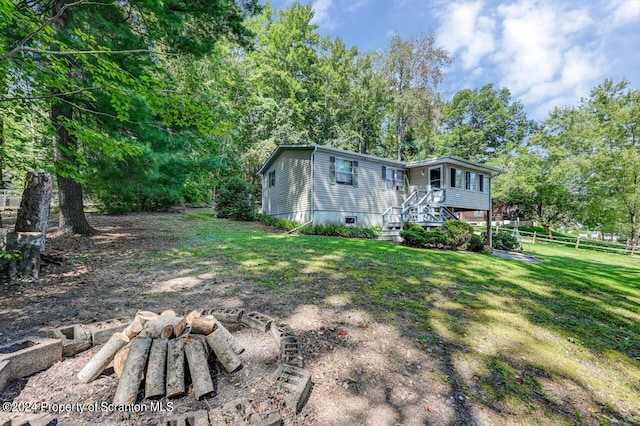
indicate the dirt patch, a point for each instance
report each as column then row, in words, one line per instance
column 363, row 370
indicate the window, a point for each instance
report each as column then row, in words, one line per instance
column 483, row 183
column 434, row 177
column 272, row 178
column 456, row 178
column 343, row 172
column 470, row 182
column 351, row 221
column 394, row 178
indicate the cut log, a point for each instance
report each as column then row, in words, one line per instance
column 191, row 315
column 203, row 325
column 161, row 326
column 101, row 360
column 156, row 367
column 133, row 329
column 198, row 361
column 120, row 359
column 228, row 337
column 133, row 370
column 179, row 327
column 168, row 312
column 175, row 368
column 225, row 354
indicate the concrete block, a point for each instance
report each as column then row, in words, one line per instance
column 291, row 351
column 5, row 375
column 192, row 418
column 280, row 330
column 75, row 338
column 226, row 315
column 102, row 331
column 40, row 419
column 273, row 419
column 30, row 355
column 296, row 382
column 257, row 320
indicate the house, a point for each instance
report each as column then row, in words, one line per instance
column 320, row 184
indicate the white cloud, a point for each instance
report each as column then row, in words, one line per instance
column 463, row 29
column 321, row 15
column 625, row 12
column 543, row 51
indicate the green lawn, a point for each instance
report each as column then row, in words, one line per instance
column 560, row 338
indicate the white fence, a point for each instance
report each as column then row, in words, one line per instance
column 576, row 243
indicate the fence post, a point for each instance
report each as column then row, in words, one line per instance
column 633, row 248
column 534, row 237
column 578, row 242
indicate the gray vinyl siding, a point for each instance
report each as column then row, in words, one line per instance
column 290, row 198
column 465, row 199
column 367, row 201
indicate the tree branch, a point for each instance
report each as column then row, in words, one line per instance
column 20, row 47
column 89, row 52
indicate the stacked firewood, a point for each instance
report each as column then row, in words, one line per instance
column 154, row 348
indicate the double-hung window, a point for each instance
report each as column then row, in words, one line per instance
column 456, row 178
column 483, row 183
column 343, row 172
column 470, row 182
column 272, row 178
column 393, row 178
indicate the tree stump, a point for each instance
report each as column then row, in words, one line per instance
column 33, row 214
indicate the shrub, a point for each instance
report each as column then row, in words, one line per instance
column 338, row 230
column 419, row 237
column 460, row 232
column 235, row 200
column 505, row 241
column 284, row 224
column 476, row 244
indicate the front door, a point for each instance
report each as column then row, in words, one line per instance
column 435, row 177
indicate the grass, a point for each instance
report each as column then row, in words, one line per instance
column 559, row 339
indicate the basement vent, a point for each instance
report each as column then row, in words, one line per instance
column 350, row 221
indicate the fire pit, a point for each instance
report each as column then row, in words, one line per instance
column 169, row 369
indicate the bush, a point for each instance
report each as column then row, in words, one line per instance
column 505, row 241
column 460, row 232
column 338, row 230
column 419, row 237
column 235, row 200
column 476, row 244
column 284, row 224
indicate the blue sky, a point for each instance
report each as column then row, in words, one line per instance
column 547, row 52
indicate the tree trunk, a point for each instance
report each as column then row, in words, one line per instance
column 547, row 229
column 72, row 217
column 33, row 215
column 65, row 150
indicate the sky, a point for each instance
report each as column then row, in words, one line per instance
column 548, row 53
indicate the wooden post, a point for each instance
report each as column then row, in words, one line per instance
column 577, row 242
column 534, row 237
column 489, row 236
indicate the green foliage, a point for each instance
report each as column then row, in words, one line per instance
column 338, row 230
column 235, row 200
column 284, row 224
column 483, row 123
column 451, row 235
column 461, row 232
column 505, row 241
column 476, row 244
column 421, row 238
